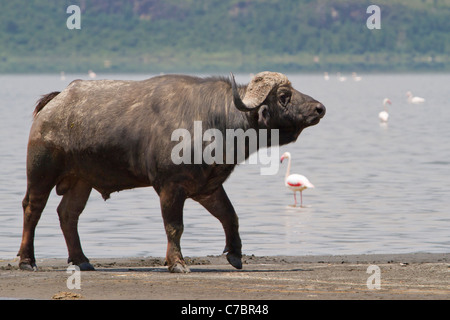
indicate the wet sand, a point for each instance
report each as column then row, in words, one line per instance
column 402, row 276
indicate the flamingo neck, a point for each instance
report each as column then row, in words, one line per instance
column 288, row 169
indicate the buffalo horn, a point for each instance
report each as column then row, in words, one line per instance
column 239, row 104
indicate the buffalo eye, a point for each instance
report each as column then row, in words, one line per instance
column 285, row 98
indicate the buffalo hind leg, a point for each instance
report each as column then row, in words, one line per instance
column 33, row 205
column 219, row 205
column 172, row 201
column 43, row 167
column 72, row 204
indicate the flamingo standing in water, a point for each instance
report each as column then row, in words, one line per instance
column 412, row 99
column 295, row 182
column 92, row 74
column 356, row 77
column 384, row 115
column 340, row 77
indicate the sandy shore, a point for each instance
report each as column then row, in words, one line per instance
column 402, row 276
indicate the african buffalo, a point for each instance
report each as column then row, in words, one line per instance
column 114, row 135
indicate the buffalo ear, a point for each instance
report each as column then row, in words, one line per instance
column 264, row 115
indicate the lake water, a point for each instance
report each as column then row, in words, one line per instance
column 379, row 188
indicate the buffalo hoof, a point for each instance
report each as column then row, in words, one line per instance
column 27, row 266
column 86, row 266
column 235, row 260
column 179, row 268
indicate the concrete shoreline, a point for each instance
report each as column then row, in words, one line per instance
column 402, row 276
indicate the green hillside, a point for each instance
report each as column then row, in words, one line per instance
column 218, row 35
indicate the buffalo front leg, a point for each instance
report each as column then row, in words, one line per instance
column 69, row 210
column 172, row 203
column 220, row 207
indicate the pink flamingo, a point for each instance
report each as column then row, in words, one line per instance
column 412, row 99
column 384, row 115
column 295, row 182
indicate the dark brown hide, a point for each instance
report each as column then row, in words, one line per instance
column 113, row 135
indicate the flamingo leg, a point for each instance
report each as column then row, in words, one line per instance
column 301, row 199
column 295, row 199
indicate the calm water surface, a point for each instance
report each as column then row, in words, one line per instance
column 379, row 188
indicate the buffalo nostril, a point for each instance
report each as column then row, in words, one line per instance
column 320, row 109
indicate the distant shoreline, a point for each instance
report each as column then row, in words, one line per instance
column 101, row 74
